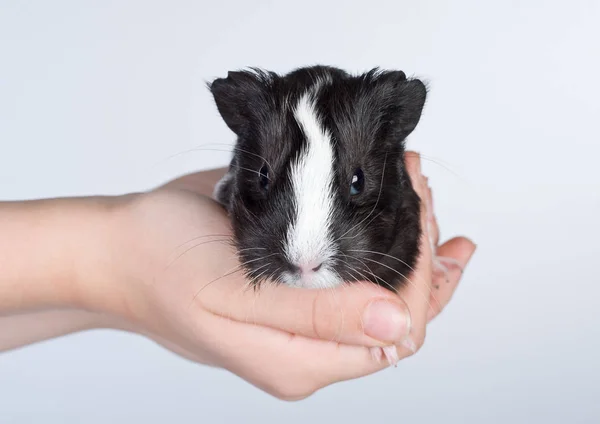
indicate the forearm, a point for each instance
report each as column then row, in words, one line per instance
column 24, row 329
column 52, row 252
column 59, row 262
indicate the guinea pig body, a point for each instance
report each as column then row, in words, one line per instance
column 317, row 190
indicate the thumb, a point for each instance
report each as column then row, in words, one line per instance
column 362, row 314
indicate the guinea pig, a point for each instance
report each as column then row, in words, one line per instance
column 317, row 189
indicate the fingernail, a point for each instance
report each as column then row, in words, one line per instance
column 387, row 321
column 409, row 344
column 469, row 257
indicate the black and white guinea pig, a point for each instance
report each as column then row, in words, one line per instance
column 317, row 189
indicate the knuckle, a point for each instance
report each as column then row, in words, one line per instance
column 291, row 390
column 325, row 323
column 293, row 397
column 316, row 324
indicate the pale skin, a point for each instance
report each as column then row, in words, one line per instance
column 159, row 264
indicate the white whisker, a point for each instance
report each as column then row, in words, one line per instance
column 193, row 247
column 409, row 281
column 377, row 278
column 233, row 271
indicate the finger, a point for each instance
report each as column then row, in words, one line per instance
column 288, row 366
column 419, row 184
column 416, row 292
column 460, row 249
column 358, row 314
column 433, row 228
column 417, row 295
column 412, row 162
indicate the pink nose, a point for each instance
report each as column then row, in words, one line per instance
column 308, row 268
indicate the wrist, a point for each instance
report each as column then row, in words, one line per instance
column 98, row 281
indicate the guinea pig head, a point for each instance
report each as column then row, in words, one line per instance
column 317, row 190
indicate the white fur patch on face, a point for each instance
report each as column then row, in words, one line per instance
column 309, row 242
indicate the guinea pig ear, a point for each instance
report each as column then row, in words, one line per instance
column 404, row 102
column 238, row 95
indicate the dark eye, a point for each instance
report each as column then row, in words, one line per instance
column 263, row 176
column 358, row 182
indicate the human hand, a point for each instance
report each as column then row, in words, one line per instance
column 161, row 264
column 180, row 283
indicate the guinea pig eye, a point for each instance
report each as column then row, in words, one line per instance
column 263, row 177
column 358, row 182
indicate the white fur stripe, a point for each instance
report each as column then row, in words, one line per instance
column 309, row 240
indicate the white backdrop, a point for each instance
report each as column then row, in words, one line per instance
column 95, row 97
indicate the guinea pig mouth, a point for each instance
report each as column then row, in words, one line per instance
column 320, row 277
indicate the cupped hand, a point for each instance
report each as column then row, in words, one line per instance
column 184, row 288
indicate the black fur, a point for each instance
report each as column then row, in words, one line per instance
column 369, row 116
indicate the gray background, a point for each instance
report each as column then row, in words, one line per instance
column 95, row 97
